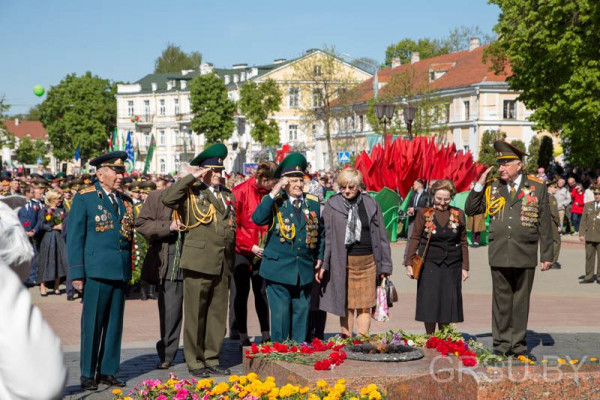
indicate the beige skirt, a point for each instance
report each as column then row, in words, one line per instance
column 361, row 272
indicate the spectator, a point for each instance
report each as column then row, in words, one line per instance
column 577, row 207
column 563, row 200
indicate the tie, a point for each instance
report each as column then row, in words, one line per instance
column 113, row 200
column 297, row 203
column 513, row 190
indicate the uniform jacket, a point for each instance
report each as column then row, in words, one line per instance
column 553, row 210
column 335, row 216
column 99, row 243
column 513, row 235
column 288, row 262
column 208, row 248
column 590, row 223
column 154, row 223
column 247, row 198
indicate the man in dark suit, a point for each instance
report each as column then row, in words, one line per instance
column 99, row 255
column 520, row 220
column 294, row 249
column 420, row 198
column 208, row 217
column 28, row 215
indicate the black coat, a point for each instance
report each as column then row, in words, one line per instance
column 425, row 200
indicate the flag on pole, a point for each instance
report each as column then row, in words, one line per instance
column 77, row 154
column 130, row 153
column 112, row 142
column 150, row 154
column 121, row 143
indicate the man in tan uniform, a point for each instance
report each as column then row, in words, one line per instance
column 520, row 219
column 556, row 222
column 589, row 231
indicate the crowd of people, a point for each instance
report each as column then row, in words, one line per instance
column 201, row 240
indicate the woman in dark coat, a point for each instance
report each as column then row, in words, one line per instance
column 439, row 289
column 52, row 258
column 357, row 251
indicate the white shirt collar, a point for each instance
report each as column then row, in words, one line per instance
column 292, row 198
column 516, row 182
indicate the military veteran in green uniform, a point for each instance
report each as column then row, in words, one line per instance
column 589, row 233
column 206, row 212
column 99, row 253
column 519, row 219
column 293, row 251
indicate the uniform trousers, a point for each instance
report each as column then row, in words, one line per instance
column 102, row 326
column 170, row 308
column 555, row 243
column 592, row 253
column 289, row 306
column 205, row 300
column 510, row 307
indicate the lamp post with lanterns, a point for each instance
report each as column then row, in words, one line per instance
column 385, row 113
column 409, row 117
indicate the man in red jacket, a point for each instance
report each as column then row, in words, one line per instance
column 248, row 254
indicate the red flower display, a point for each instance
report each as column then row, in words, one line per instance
column 457, row 348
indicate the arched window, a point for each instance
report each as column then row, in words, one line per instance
column 162, row 166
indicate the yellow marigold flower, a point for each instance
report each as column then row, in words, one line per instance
column 364, row 392
column 274, row 392
column 117, row 392
column 573, row 362
column 243, row 380
column 593, row 359
column 339, row 388
column 561, row 361
column 304, row 390
column 341, row 381
column 372, row 387
column 220, row 388
column 321, row 383
column 234, row 378
column 269, row 379
column 354, row 398
column 312, row 396
column 375, row 395
column 203, row 383
column 252, row 376
column 127, row 398
column 544, row 361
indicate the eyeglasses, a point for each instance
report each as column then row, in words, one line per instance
column 349, row 187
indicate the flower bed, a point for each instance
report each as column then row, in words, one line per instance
column 247, row 387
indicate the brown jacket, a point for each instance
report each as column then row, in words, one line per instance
column 153, row 223
column 590, row 223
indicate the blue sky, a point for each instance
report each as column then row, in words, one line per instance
column 43, row 40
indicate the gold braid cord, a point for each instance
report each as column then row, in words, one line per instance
column 200, row 217
column 493, row 207
column 288, row 234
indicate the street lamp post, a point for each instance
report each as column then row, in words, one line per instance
column 409, row 117
column 385, row 113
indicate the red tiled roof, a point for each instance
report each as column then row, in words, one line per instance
column 465, row 68
column 33, row 129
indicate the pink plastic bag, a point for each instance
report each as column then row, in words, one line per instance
column 381, row 313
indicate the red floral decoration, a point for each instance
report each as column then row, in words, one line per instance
column 458, row 348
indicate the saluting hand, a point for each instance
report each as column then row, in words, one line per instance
column 283, row 182
column 483, row 178
column 200, row 172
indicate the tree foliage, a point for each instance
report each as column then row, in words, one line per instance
column 366, row 64
column 533, row 152
column 546, row 152
column 30, row 150
column 552, row 49
column 212, row 109
column 79, row 111
column 32, row 115
column 329, row 82
column 257, row 102
column 173, row 59
column 487, row 153
column 6, row 139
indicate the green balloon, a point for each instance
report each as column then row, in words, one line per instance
column 39, row 90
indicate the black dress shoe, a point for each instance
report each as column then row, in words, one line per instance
column 70, row 297
column 164, row 365
column 556, row 265
column 500, row 353
column 110, row 380
column 88, row 384
column 219, row 370
column 591, row 280
column 200, row 372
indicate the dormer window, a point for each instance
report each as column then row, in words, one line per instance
column 437, row 70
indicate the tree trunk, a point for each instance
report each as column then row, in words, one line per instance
column 329, row 146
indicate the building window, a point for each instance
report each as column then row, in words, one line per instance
column 130, row 108
column 466, row 147
column 447, row 112
column 467, row 110
column 317, row 98
column 176, row 163
column 147, row 139
column 293, row 133
column 162, row 137
column 162, row 109
column 176, row 106
column 361, row 125
column 162, row 166
column 318, row 71
column 351, row 124
column 294, row 97
column 510, row 109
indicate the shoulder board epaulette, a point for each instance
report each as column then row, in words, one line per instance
column 88, row 189
column 491, row 180
column 534, row 178
column 312, row 197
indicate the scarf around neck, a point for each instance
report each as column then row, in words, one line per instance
column 353, row 224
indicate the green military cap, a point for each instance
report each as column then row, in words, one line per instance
column 507, row 152
column 211, row 157
column 552, row 182
column 40, row 182
column 114, row 160
column 77, row 184
column 135, row 186
column 596, row 189
column 293, row 165
column 147, row 187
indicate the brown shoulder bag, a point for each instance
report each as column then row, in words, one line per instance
column 416, row 261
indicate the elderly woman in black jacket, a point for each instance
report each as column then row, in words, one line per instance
column 357, row 251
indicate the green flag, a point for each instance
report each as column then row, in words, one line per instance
column 150, row 154
column 403, row 207
column 112, row 143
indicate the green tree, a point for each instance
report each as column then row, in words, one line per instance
column 257, row 102
column 546, row 152
column 6, row 139
column 552, row 49
column 366, row 64
column 212, row 109
column 487, row 153
column 30, row 150
column 533, row 152
column 79, row 111
column 426, row 48
column 459, row 38
column 32, row 115
column 173, row 59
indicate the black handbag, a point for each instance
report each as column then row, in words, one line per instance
column 390, row 291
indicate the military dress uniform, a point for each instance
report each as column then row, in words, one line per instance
column 590, row 230
column 518, row 222
column 207, row 258
column 99, row 251
column 555, row 225
column 294, row 243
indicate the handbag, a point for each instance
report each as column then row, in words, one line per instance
column 390, row 291
column 416, row 261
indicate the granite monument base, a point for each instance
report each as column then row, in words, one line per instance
column 437, row 377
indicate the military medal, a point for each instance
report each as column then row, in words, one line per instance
column 97, row 218
column 103, row 217
column 282, row 240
